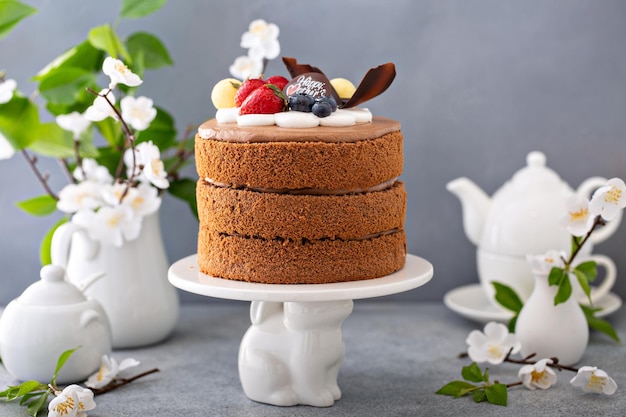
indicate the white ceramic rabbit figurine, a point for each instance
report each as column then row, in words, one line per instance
column 292, row 352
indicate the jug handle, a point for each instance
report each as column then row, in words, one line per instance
column 61, row 243
column 585, row 190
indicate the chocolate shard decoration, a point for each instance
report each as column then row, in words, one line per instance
column 374, row 83
column 296, row 69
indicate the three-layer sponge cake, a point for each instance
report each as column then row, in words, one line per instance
column 294, row 206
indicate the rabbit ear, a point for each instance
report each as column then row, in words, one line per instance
column 262, row 310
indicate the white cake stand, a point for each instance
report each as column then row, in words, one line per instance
column 292, row 352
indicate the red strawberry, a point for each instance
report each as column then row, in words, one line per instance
column 278, row 80
column 246, row 88
column 263, row 100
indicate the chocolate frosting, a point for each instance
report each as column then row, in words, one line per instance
column 231, row 132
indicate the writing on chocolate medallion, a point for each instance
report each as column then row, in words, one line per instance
column 311, row 83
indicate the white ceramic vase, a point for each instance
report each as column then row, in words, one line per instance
column 551, row 331
column 142, row 306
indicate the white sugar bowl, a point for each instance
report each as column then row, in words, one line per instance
column 50, row 317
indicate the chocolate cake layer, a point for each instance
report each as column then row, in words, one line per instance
column 298, row 217
column 277, row 261
column 301, row 165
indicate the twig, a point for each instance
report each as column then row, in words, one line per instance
column 32, row 162
column 116, row 383
column 130, row 139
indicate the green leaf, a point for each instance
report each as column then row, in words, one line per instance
column 598, row 324
column 479, row 396
column 185, row 189
column 512, row 323
column 61, row 361
column 564, row 291
column 155, row 54
column 29, row 386
column 35, row 407
column 104, row 38
column 472, row 373
column 11, row 13
column 140, row 8
column 556, row 275
column 42, row 205
column 507, row 297
column 161, row 131
column 584, row 283
column 10, row 393
column 65, row 87
column 589, row 269
column 82, row 56
column 496, row 394
column 575, row 243
column 52, row 141
column 456, row 389
column 19, row 120
column 44, row 248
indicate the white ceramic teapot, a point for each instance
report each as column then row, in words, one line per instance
column 522, row 217
column 50, row 317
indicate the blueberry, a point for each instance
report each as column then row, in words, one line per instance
column 322, row 108
column 301, row 102
column 332, row 102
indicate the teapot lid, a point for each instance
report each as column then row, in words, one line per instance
column 52, row 289
column 535, row 174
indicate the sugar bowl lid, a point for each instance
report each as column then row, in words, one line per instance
column 52, row 289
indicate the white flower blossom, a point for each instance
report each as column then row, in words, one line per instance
column 82, row 196
column 108, row 371
column 493, row 345
column 148, row 164
column 101, row 109
column 594, row 380
column 110, row 225
column 119, row 73
column 539, row 375
column 245, row 67
column 608, row 200
column 578, row 221
column 138, row 112
column 544, row 263
column 73, row 122
column 143, row 200
column 90, row 170
column 6, row 150
column 261, row 39
column 74, row 400
column 154, row 171
column 6, row 90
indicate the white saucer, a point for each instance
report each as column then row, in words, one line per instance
column 471, row 302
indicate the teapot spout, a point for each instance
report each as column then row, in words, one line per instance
column 475, row 204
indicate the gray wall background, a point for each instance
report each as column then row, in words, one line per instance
column 480, row 84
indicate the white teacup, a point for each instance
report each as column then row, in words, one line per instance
column 515, row 272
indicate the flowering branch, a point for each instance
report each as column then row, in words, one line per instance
column 117, row 383
column 579, row 243
column 491, row 346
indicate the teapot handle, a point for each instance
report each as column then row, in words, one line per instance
column 585, row 190
column 62, row 241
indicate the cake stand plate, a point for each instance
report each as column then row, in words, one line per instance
column 292, row 352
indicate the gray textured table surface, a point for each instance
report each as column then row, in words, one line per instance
column 397, row 355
